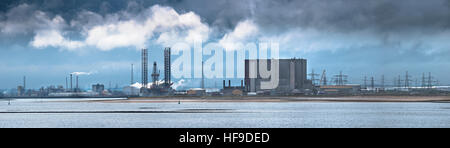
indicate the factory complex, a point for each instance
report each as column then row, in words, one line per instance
column 288, row 77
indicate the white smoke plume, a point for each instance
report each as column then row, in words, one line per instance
column 178, row 84
column 82, row 73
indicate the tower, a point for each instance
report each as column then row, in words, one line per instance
column 430, row 85
column 167, row 66
column 132, row 74
column 423, row 80
column 71, row 86
column 313, row 77
column 372, row 83
column 144, row 68
column 203, row 77
column 365, row 82
column 407, row 80
column 323, row 79
column 155, row 74
column 77, row 84
column 24, row 82
column 340, row 79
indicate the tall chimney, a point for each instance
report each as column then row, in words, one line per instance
column 229, row 83
column 71, row 81
column 203, row 76
column 132, row 69
column 224, row 84
column 77, row 82
column 24, row 82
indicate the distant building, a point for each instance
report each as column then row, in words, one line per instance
column 99, row 88
column 20, row 91
column 131, row 91
column 196, row 92
column 73, row 94
column 340, row 89
column 233, row 90
column 292, row 76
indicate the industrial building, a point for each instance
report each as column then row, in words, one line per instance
column 292, row 77
column 196, row 92
column 340, row 89
column 99, row 88
column 232, row 90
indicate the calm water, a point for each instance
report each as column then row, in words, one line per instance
column 245, row 115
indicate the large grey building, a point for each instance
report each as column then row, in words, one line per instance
column 292, row 76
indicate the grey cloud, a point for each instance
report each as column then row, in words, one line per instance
column 334, row 15
column 25, row 19
column 351, row 15
column 381, row 17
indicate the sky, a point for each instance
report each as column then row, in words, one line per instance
column 45, row 40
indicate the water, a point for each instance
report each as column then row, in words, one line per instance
column 235, row 115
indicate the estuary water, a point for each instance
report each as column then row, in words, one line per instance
column 45, row 113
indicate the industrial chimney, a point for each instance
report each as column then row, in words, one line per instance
column 71, row 86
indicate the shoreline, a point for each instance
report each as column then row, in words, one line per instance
column 281, row 99
column 224, row 99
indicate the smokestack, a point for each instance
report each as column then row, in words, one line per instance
column 224, row 84
column 66, row 83
column 229, row 83
column 71, row 81
column 77, row 82
column 203, row 76
column 24, row 82
column 132, row 68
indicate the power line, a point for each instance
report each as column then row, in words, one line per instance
column 340, row 79
column 407, row 80
column 313, row 77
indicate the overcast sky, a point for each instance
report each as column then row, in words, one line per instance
column 48, row 39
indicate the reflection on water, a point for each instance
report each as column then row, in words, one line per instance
column 246, row 115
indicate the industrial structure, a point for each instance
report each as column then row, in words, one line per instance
column 144, row 70
column 292, row 77
column 340, row 86
column 155, row 75
column 98, row 88
column 167, row 67
column 156, row 89
column 292, row 80
column 233, row 90
column 339, row 89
